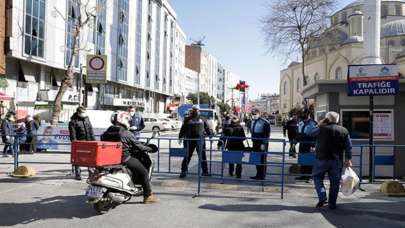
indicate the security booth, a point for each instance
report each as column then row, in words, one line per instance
column 389, row 119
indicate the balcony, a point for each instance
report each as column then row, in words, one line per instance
column 70, row 96
column 26, row 92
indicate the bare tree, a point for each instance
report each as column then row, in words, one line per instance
column 292, row 24
column 83, row 16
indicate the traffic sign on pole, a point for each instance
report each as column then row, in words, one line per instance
column 96, row 69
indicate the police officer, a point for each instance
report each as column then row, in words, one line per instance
column 196, row 129
column 260, row 130
column 305, row 126
column 136, row 123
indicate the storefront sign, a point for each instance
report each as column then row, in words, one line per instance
column 96, row 69
column 373, row 80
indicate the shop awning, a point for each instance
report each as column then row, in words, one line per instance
column 4, row 97
column 29, row 71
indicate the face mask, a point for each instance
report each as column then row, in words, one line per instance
column 83, row 114
column 12, row 119
column 131, row 113
column 256, row 116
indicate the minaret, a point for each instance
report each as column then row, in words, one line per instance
column 372, row 33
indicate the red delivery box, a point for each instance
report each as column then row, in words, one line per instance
column 96, row 153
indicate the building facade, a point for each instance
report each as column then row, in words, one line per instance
column 268, row 103
column 347, row 42
column 2, row 38
column 138, row 38
column 190, row 82
column 341, row 45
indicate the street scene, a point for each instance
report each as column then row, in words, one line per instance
column 178, row 113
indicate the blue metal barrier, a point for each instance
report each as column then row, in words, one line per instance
column 255, row 158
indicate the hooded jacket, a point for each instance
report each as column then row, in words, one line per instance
column 80, row 128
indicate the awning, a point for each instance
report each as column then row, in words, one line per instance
column 29, row 71
column 4, row 97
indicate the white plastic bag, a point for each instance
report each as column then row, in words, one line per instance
column 349, row 182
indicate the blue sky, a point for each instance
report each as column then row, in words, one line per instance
column 234, row 37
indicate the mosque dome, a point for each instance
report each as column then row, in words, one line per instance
column 393, row 28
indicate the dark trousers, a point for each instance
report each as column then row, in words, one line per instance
column 261, row 169
column 305, row 148
column 139, row 175
column 8, row 149
column 334, row 170
column 191, row 146
column 238, row 169
column 293, row 150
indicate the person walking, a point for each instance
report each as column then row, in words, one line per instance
column 8, row 133
column 333, row 144
column 32, row 131
column 20, row 138
column 307, row 142
column 233, row 136
column 260, row 131
column 194, row 130
column 136, row 124
column 290, row 127
column 80, row 128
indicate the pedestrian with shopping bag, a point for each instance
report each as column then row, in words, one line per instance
column 333, row 148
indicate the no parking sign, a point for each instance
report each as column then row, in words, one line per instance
column 96, row 69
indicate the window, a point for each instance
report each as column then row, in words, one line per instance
column 403, row 42
column 391, row 43
column 101, row 25
column 138, row 40
column 316, row 77
column 285, row 88
column 34, row 32
column 384, row 10
column 298, row 85
column 158, row 62
column 398, row 9
column 122, row 45
column 338, row 74
column 357, row 122
column 73, row 13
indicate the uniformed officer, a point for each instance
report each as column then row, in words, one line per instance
column 260, row 129
column 136, row 123
column 196, row 129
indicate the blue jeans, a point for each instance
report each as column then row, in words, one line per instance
column 334, row 170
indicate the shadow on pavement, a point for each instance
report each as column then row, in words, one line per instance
column 33, row 179
column 59, row 207
column 375, row 214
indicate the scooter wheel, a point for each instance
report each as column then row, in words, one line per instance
column 103, row 206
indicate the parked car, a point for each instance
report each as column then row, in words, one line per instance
column 155, row 124
column 176, row 124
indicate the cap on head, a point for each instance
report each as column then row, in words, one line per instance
column 195, row 107
column 333, row 117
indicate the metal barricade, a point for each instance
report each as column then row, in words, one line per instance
column 256, row 158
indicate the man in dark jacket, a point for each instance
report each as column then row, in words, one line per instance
column 137, row 123
column 291, row 128
column 32, row 131
column 8, row 133
column 80, row 128
column 131, row 149
column 260, row 130
column 194, row 130
column 333, row 145
column 307, row 142
column 233, row 136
